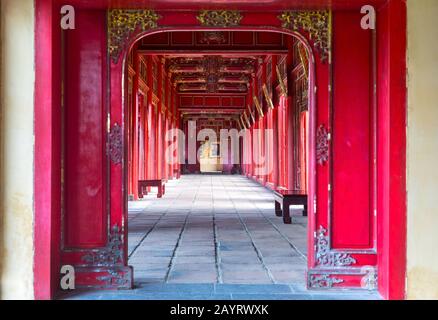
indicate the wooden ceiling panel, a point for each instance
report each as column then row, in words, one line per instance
column 211, row 73
column 213, row 40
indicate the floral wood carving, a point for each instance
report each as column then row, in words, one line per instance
column 219, row 18
column 315, row 23
column 112, row 254
column 327, row 258
column 213, row 37
column 123, row 23
column 323, row 281
column 115, row 146
column 322, row 145
column 116, row 278
column 370, row 280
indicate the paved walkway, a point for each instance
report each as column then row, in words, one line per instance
column 216, row 237
column 215, row 229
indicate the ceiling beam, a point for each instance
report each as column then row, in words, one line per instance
column 213, row 52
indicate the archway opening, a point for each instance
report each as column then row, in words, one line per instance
column 218, row 122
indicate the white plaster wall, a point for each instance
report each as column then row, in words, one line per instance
column 16, row 138
column 422, row 255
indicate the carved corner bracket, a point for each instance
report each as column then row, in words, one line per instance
column 327, row 258
column 370, row 280
column 219, row 18
column 316, row 23
column 245, row 116
column 123, row 23
column 252, row 115
column 110, row 255
column 258, row 106
column 242, row 122
column 267, row 96
column 281, row 82
column 117, row 278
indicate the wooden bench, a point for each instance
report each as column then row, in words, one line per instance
column 144, row 184
column 284, row 199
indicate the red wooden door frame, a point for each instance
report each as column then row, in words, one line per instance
column 392, row 93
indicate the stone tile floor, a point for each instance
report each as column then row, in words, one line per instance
column 216, row 237
column 215, row 229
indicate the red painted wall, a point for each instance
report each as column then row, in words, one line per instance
column 352, row 198
column 85, row 146
column 391, row 159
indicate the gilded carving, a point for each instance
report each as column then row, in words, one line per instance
column 246, row 119
column 116, row 278
column 322, row 145
column 281, row 81
column 123, row 23
column 219, row 18
column 111, row 255
column 258, row 106
column 315, row 23
column 242, row 122
column 213, row 37
column 327, row 258
column 370, row 280
column 267, row 97
column 323, row 281
column 115, row 144
column 252, row 115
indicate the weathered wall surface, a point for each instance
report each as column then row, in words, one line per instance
column 16, row 153
column 422, row 269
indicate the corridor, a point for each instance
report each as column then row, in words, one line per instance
column 215, row 229
column 216, row 237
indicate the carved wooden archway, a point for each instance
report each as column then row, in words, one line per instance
column 328, row 267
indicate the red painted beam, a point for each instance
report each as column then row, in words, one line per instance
column 265, row 5
column 135, row 112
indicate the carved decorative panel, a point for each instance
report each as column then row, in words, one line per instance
column 213, row 37
column 219, row 18
column 210, row 74
column 111, row 255
column 316, row 23
column 116, row 278
column 123, row 23
column 327, row 258
column 115, row 144
column 322, row 145
column 370, row 280
column 323, row 281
